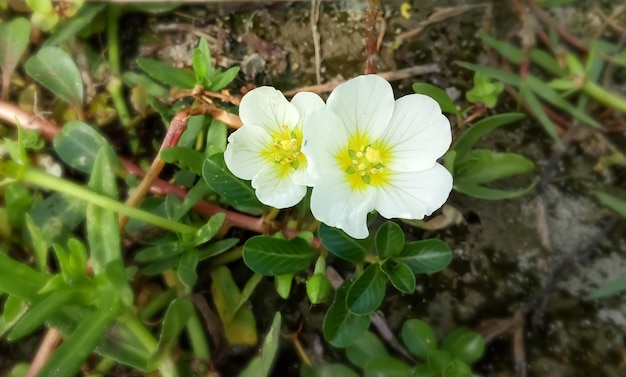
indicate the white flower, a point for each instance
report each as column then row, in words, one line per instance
column 266, row 149
column 369, row 152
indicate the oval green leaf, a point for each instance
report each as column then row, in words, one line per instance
column 419, row 338
column 400, row 276
column 475, row 132
column 14, row 38
column 367, row 347
column 274, row 256
column 341, row 327
column 386, row 366
column 78, row 144
column 389, row 240
column 223, row 182
column 55, row 69
column 464, row 345
column 367, row 292
column 438, row 94
column 426, row 256
column 167, row 74
column 338, row 243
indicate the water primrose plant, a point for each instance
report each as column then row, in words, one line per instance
column 169, row 291
column 361, row 152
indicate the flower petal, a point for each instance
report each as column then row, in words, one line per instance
column 335, row 204
column 418, row 133
column 307, row 103
column 364, row 104
column 275, row 191
column 413, row 195
column 324, row 136
column 243, row 155
column 267, row 108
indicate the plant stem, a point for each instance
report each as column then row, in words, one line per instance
column 604, row 96
column 114, row 86
column 35, row 177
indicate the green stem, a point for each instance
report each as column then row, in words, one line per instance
column 604, row 96
column 156, row 304
column 167, row 368
column 113, row 51
column 35, row 177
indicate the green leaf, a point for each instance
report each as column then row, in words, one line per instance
column 340, row 244
column 248, row 289
column 200, row 64
column 55, row 69
column 239, row 322
column 261, row 365
column 505, row 77
column 102, row 224
column 438, row 94
column 389, row 240
column 207, row 231
column 364, row 349
column 484, row 166
column 224, row 79
column 341, row 327
column 426, row 256
column 223, row 182
column 509, row 51
column 335, row 370
column 439, row 361
column 610, row 289
column 475, row 132
column 13, row 310
column 546, row 61
column 42, row 311
column 72, row 353
column 537, row 110
column 14, row 38
column 386, row 366
column 544, row 91
column 400, row 276
column 457, row 368
column 176, row 317
column 318, row 288
column 40, row 246
column 57, row 216
column 274, row 256
column 78, row 144
column 151, row 87
column 19, row 280
column 419, row 338
column 283, row 283
column 486, row 193
column 186, row 157
column 464, row 345
column 74, row 25
column 612, row 202
column 40, row 6
column 167, row 74
column 17, row 202
column 367, row 292
column 186, row 270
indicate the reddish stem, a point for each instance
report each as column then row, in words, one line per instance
column 371, row 45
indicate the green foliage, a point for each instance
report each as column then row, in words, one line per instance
column 473, row 168
column 342, row 327
column 14, row 38
column 484, row 91
column 261, row 365
column 275, row 256
column 54, row 69
column 438, row 94
column 459, row 350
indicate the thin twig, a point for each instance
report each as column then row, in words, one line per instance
column 50, row 341
column 314, row 18
column 371, row 50
column 389, row 76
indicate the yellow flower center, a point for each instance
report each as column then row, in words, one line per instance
column 285, row 151
column 364, row 163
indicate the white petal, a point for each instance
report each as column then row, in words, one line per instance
column 418, row 133
column 276, row 192
column 268, row 108
column 413, row 195
column 307, row 103
column 303, row 176
column 333, row 203
column 243, row 152
column 364, row 104
column 324, row 136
